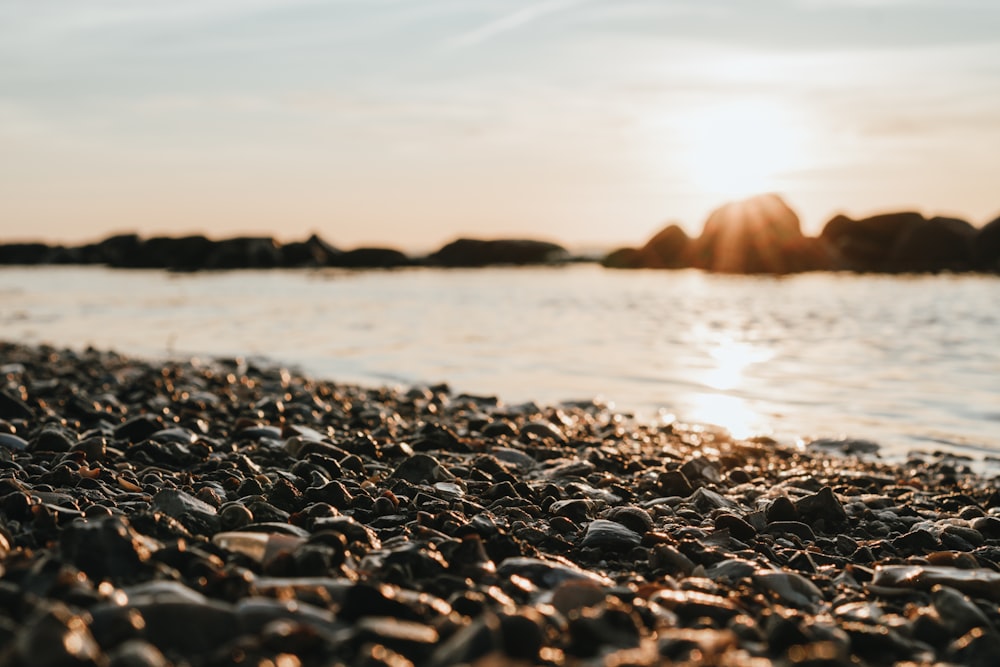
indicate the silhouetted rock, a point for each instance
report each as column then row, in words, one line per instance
column 246, row 252
column 113, row 250
column 477, row 252
column 186, row 253
column 938, row 244
column 623, row 258
column 986, row 248
column 314, row 251
column 757, row 235
column 25, row 253
column 902, row 242
column 370, row 258
column 865, row 244
column 668, row 249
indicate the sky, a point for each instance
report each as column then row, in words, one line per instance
column 409, row 123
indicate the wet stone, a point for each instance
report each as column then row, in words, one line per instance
column 737, row 527
column 916, row 541
column 781, row 509
column 12, row 442
column 107, row 547
column 797, row 528
column 674, row 483
column 633, row 518
column 610, row 535
column 422, row 468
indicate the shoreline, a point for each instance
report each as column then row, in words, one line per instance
column 760, row 235
column 196, row 513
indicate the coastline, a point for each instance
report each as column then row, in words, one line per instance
column 760, row 235
column 204, row 512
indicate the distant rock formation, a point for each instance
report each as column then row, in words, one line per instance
column 478, row 252
column 903, row 242
column 371, row 258
column 986, row 248
column 194, row 253
column 313, row 252
column 668, row 249
column 757, row 235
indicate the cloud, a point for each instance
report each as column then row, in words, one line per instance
column 508, row 22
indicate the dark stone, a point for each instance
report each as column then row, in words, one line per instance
column 781, row 509
column 13, row 442
column 247, row 252
column 370, row 258
column 52, row 440
column 916, row 541
column 668, row 249
column 865, row 245
column 674, row 483
column 12, row 407
column 113, row 251
column 312, row 252
column 106, row 548
column 25, row 253
column 610, row 535
column 477, row 252
column 164, row 252
column 822, row 506
column 986, row 247
column 737, row 527
column 797, row 528
column 623, row 258
column 938, row 244
column 139, row 428
column 364, row 600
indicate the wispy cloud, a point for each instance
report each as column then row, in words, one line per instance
column 508, row 22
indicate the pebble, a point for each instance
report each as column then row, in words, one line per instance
column 224, row 512
column 603, row 534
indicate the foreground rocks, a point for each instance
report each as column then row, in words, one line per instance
column 215, row 513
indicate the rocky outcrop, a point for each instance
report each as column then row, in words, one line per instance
column 247, row 252
column 478, row 252
column 25, row 253
column 314, row 251
column 762, row 235
column 370, row 258
column 986, row 248
column 185, row 253
column 864, row 245
column 902, row 242
column 668, row 249
column 759, row 235
column 938, row 244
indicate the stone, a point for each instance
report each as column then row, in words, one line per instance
column 477, row 252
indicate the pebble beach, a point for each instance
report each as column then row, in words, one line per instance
column 214, row 512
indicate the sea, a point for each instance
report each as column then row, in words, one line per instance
column 911, row 363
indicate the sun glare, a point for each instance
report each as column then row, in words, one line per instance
column 738, row 148
column 727, row 358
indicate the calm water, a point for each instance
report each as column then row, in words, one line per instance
column 909, row 362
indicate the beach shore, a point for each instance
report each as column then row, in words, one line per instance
column 212, row 512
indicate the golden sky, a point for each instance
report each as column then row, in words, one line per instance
column 408, row 123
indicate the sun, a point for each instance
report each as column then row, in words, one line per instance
column 740, row 147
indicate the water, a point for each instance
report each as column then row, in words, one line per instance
column 910, row 362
